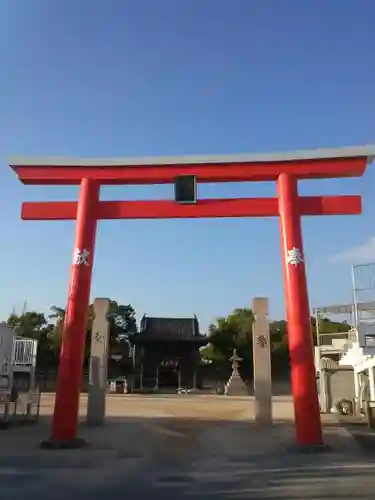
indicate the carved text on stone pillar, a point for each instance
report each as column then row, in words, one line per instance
column 98, row 338
column 261, row 341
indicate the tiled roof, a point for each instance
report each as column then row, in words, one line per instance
column 182, row 329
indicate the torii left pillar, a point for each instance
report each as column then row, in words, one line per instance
column 65, row 418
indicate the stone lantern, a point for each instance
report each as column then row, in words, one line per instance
column 235, row 385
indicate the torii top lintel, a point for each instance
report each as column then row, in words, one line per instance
column 305, row 164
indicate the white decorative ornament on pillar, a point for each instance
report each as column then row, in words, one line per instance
column 81, row 257
column 294, row 256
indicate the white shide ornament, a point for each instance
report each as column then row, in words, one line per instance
column 294, row 257
column 81, row 256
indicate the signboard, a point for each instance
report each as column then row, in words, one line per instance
column 335, row 309
column 185, row 189
column 345, row 308
column 370, row 341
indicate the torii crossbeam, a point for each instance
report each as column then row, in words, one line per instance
column 286, row 169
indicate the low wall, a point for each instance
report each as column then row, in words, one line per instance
column 48, row 383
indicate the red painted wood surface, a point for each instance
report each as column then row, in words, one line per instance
column 165, row 209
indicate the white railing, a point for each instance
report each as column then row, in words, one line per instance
column 24, row 351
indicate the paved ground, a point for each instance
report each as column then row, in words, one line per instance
column 183, row 447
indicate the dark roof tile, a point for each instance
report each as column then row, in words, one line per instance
column 182, row 329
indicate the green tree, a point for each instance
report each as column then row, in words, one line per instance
column 122, row 320
column 122, row 323
column 212, row 353
column 326, row 325
column 227, row 334
column 279, row 348
column 234, row 331
column 57, row 315
column 30, row 324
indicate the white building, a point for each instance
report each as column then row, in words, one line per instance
column 17, row 355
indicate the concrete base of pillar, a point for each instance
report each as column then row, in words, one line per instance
column 73, row 444
column 96, row 406
column 309, row 448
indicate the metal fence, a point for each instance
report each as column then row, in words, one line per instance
column 363, row 279
column 338, row 312
column 24, row 408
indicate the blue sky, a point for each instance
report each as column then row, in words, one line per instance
column 168, row 77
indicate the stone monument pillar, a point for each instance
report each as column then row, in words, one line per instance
column 262, row 362
column 235, row 385
column 98, row 364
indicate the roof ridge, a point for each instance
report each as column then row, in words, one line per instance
column 164, row 328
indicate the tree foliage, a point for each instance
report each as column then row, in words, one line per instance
column 48, row 330
column 236, row 330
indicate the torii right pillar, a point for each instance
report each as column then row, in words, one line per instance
column 305, row 394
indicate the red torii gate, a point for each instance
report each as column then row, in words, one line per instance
column 285, row 169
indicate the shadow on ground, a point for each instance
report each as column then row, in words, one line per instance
column 364, row 436
column 177, row 457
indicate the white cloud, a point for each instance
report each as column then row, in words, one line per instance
column 358, row 255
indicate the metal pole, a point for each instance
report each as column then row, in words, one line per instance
column 141, row 379
column 355, row 306
column 179, row 376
